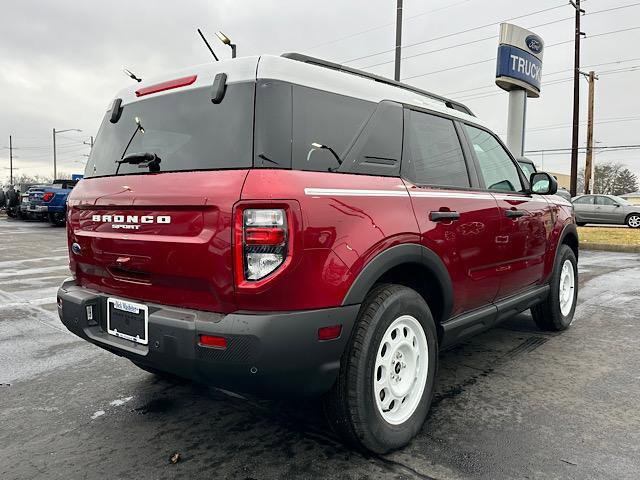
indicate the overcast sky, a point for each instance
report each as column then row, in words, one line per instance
column 61, row 62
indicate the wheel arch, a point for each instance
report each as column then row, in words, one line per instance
column 626, row 219
column 569, row 237
column 411, row 265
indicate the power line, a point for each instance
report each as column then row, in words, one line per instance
column 455, row 33
column 635, row 68
column 492, row 85
column 362, row 32
column 493, row 58
column 480, row 39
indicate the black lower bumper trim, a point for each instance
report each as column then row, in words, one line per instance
column 270, row 353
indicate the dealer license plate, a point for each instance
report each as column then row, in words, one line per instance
column 128, row 320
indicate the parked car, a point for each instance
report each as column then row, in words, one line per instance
column 52, row 201
column 29, row 202
column 528, row 167
column 606, row 209
column 291, row 226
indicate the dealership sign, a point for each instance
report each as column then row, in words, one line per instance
column 519, row 64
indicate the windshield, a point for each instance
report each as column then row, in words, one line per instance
column 185, row 130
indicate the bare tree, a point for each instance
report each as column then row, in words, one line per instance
column 614, row 179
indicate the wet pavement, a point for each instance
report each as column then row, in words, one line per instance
column 510, row 403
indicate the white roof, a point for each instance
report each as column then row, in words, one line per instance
column 272, row 67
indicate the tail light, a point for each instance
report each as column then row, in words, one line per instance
column 48, row 196
column 261, row 242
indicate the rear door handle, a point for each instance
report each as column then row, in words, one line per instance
column 443, row 216
column 515, row 213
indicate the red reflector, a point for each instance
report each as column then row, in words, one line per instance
column 329, row 333
column 48, row 196
column 213, row 341
column 263, row 236
column 168, row 85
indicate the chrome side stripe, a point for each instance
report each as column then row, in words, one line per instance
column 347, row 192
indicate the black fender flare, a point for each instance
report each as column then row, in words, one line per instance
column 568, row 229
column 406, row 253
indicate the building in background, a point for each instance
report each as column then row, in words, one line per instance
column 564, row 179
column 633, row 198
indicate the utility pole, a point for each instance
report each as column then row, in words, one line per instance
column 54, row 155
column 10, row 160
column 589, row 164
column 576, row 100
column 398, row 39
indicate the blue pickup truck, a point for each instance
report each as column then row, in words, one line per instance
column 51, row 201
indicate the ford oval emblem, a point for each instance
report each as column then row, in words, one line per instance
column 534, row 43
column 76, row 248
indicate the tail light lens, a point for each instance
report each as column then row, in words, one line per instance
column 263, row 238
column 48, row 196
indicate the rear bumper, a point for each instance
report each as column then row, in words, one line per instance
column 55, row 208
column 272, row 353
column 34, row 208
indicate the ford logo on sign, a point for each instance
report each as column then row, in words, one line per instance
column 534, row 43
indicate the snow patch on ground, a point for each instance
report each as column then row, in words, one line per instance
column 120, row 401
column 97, row 414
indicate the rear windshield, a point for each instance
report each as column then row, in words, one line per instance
column 185, row 130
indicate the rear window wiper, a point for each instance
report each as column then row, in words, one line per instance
column 142, row 159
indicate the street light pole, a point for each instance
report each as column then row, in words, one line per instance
column 55, row 171
column 10, row 160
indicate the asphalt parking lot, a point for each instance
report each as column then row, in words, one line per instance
column 510, row 403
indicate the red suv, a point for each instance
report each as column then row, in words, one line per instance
column 290, row 225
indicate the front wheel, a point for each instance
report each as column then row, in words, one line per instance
column 633, row 220
column 385, row 386
column 556, row 312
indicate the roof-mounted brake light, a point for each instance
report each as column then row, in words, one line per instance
column 168, row 85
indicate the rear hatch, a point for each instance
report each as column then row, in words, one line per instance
column 160, row 230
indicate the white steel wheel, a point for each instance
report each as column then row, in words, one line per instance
column 634, row 221
column 566, row 287
column 401, row 370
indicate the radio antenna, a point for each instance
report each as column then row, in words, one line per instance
column 208, row 46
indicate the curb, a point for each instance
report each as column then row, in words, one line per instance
column 610, row 248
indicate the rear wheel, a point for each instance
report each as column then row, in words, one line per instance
column 387, row 374
column 633, row 220
column 556, row 312
column 56, row 219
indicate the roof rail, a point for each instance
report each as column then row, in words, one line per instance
column 354, row 71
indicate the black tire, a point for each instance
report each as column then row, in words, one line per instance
column 581, row 224
column 351, row 406
column 633, row 220
column 57, row 219
column 547, row 315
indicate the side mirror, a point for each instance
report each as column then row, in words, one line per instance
column 543, row 184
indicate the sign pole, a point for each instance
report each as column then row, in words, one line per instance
column 516, row 121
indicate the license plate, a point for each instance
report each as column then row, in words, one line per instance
column 128, row 320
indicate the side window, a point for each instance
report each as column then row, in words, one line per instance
column 498, row 170
column 605, row 201
column 325, row 126
column 586, row 200
column 433, row 154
